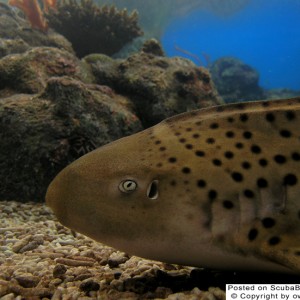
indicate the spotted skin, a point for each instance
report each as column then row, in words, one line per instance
column 227, row 187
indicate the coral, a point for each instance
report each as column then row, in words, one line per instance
column 33, row 13
column 17, row 35
column 93, row 29
column 49, row 4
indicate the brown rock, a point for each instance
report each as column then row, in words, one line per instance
column 27, row 280
column 159, row 86
column 59, row 270
column 41, row 134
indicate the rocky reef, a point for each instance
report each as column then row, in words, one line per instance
column 235, row 80
column 94, row 29
column 158, row 86
column 17, row 34
column 55, row 107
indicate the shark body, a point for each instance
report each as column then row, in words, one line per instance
column 216, row 188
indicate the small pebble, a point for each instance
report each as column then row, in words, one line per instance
column 89, row 285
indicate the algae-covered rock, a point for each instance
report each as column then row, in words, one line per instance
column 41, row 134
column 16, row 34
column 235, row 80
column 28, row 72
column 158, row 86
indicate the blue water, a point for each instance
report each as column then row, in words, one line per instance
column 265, row 35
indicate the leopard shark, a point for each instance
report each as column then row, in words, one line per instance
column 216, row 188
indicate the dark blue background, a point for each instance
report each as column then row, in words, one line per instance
column 265, row 35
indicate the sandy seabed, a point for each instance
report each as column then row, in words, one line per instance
column 41, row 259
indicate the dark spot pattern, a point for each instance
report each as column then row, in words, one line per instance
column 246, row 165
column 162, row 148
column 196, row 135
column 189, row 146
column 236, row 176
column 239, row 145
column 244, row 117
column 248, row 193
column 270, row 117
column 201, row 183
column 230, row 134
column 263, row 162
column 290, row 115
column 295, row 156
column 280, row 159
column 172, row 159
column 200, row 153
column 230, row 120
column 228, row 154
column 285, row 133
column 186, row 170
column 268, row 222
column 275, row 240
column 247, row 135
column 252, row 234
column 262, row 183
column 182, row 140
column 212, row 195
column 214, row 125
column 228, row 204
column 290, row 179
column 210, row 141
column 255, row 149
column 217, row 162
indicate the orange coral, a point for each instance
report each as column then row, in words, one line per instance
column 49, row 4
column 33, row 12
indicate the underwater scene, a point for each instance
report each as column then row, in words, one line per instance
column 149, row 149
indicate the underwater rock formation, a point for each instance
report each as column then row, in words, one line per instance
column 28, row 72
column 54, row 108
column 17, row 36
column 158, row 86
column 235, row 80
column 41, row 134
column 93, row 29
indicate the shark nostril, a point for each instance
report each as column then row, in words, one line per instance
column 152, row 191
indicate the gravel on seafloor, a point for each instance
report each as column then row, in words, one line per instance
column 41, row 259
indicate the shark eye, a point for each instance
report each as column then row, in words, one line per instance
column 127, row 186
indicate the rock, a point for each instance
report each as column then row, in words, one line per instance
column 10, row 46
column 235, row 80
column 89, row 285
column 59, row 271
column 152, row 46
column 28, row 72
column 158, row 86
column 281, row 93
column 13, row 25
column 41, row 134
column 27, row 280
